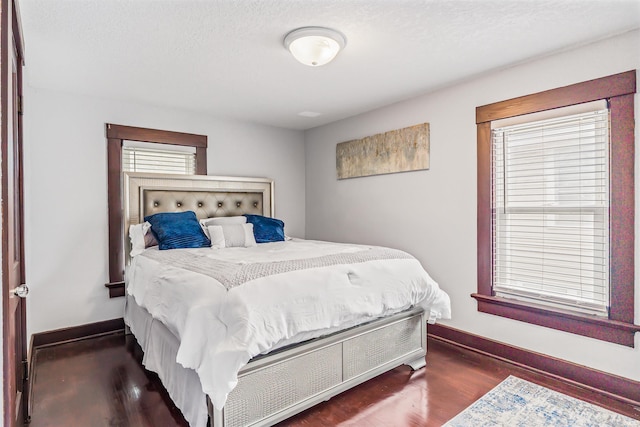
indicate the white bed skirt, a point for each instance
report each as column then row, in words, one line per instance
column 160, row 349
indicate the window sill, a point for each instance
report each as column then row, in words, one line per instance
column 588, row 326
column 116, row 289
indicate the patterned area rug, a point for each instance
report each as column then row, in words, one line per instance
column 519, row 403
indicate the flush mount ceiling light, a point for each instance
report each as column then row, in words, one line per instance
column 314, row 46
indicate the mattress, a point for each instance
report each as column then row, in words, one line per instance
column 227, row 306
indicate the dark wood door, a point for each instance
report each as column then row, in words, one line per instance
column 13, row 272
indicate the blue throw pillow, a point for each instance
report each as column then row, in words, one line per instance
column 177, row 230
column 266, row 229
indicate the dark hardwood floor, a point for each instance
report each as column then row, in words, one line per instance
column 100, row 382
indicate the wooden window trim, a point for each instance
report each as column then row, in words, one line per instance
column 116, row 134
column 619, row 90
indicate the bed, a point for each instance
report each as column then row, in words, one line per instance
column 249, row 336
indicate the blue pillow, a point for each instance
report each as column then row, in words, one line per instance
column 266, row 229
column 177, row 230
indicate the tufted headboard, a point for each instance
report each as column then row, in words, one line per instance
column 204, row 204
column 207, row 196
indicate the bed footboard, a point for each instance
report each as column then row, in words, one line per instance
column 277, row 386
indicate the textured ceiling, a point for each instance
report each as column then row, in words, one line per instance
column 226, row 58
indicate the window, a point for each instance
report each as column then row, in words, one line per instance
column 555, row 209
column 550, row 203
column 146, row 150
column 146, row 157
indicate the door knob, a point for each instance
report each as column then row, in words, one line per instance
column 21, row 291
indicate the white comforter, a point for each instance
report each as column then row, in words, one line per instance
column 220, row 330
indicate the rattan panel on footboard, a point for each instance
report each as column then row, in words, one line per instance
column 273, row 388
column 368, row 351
column 277, row 386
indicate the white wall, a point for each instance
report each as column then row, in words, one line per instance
column 432, row 214
column 66, row 192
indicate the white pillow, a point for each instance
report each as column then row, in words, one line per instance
column 216, row 235
column 136, row 235
column 230, row 236
column 223, row 220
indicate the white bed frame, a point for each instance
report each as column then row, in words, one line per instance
column 285, row 382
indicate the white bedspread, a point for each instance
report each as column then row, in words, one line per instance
column 220, row 330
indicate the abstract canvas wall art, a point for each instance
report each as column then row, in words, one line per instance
column 398, row 150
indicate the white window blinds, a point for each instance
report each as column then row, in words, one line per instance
column 139, row 157
column 550, row 199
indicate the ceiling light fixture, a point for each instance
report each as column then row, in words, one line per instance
column 314, row 46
